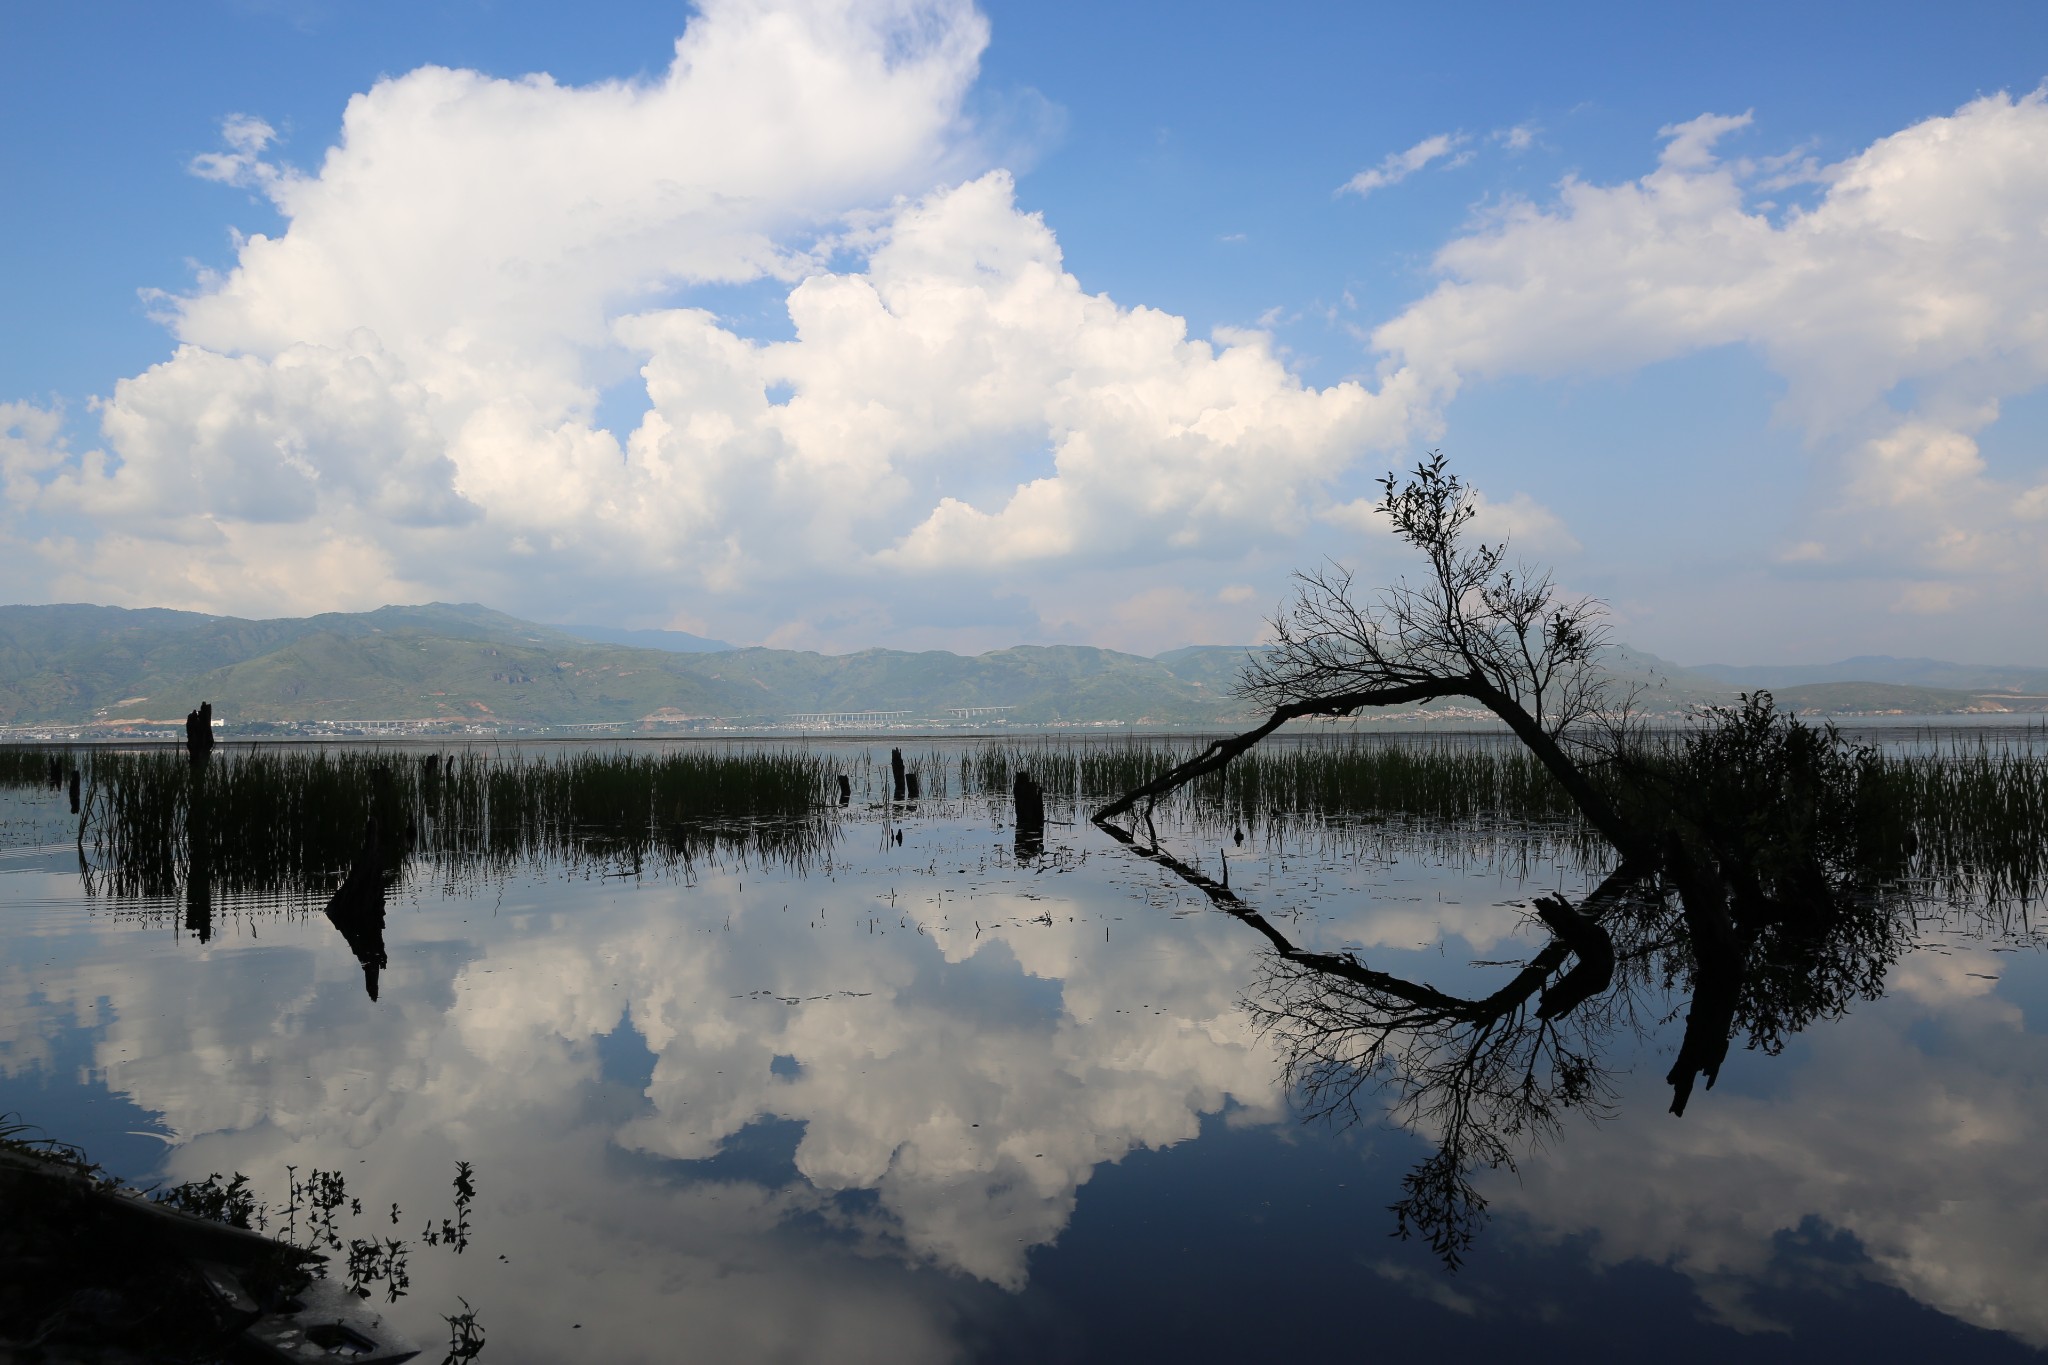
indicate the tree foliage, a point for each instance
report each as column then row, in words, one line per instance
column 1752, row 872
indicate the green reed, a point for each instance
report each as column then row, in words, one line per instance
column 1348, row 776
column 1968, row 824
column 1977, row 815
column 292, row 822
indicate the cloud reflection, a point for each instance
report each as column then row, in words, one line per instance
column 950, row 1059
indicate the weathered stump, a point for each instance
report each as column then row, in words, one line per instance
column 910, row 785
column 1030, row 809
column 74, row 791
column 845, row 789
column 896, row 771
column 199, row 731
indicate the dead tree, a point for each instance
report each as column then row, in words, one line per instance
column 1742, row 872
column 1477, row 627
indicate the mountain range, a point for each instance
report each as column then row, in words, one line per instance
column 456, row 664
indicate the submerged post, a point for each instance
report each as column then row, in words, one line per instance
column 74, row 791
column 896, row 771
column 1030, row 804
column 910, row 785
column 845, row 789
column 199, row 731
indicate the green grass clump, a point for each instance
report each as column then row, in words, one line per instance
column 292, row 822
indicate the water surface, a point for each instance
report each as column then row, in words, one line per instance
column 928, row 1101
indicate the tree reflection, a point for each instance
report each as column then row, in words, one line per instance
column 1778, row 901
column 357, row 906
column 1757, row 860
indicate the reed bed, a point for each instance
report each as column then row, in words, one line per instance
column 1969, row 823
column 1351, row 776
column 1978, row 817
column 1971, row 819
column 292, row 822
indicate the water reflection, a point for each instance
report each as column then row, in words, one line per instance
column 863, row 1109
column 357, row 906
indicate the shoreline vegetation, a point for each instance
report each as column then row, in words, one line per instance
column 1961, row 821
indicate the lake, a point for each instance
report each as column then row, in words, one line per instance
column 898, row 1089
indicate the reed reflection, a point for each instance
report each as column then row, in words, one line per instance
column 1779, row 891
column 338, row 828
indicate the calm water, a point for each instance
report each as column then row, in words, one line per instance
column 921, row 1101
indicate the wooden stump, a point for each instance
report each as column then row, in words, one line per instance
column 1030, row 805
column 199, row 731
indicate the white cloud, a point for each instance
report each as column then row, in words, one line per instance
column 1916, row 279
column 420, row 403
column 31, row 447
column 398, row 393
column 242, row 164
column 1520, row 138
column 1398, row 166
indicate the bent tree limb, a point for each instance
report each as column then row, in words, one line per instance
column 1599, row 812
column 1219, row 754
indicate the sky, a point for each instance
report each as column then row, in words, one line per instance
column 914, row 323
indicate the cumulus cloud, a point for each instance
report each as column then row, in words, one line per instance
column 400, row 391
column 408, row 375
column 1900, row 307
column 1398, row 166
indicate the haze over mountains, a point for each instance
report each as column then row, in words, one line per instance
column 79, row 664
column 1881, row 668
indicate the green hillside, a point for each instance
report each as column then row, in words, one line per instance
column 75, row 664
column 72, row 662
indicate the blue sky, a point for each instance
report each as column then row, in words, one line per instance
column 1784, row 403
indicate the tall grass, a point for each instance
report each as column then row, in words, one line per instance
column 1978, row 816
column 291, row 822
column 1972, row 819
column 1351, row 776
